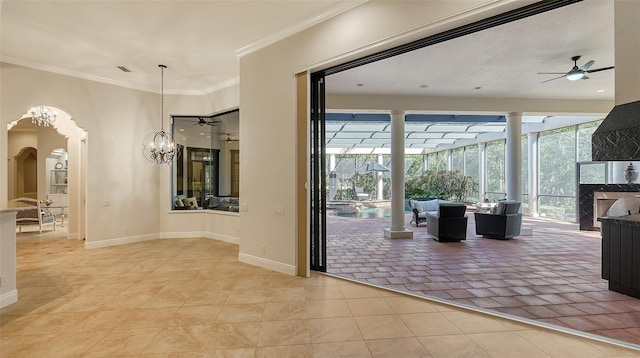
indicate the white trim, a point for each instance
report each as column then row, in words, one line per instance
column 343, row 6
column 196, row 234
column 8, row 298
column 222, row 85
column 268, row 264
column 66, row 72
column 119, row 241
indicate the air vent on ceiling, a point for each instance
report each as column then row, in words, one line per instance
column 124, row 69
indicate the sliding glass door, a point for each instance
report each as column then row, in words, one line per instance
column 318, row 220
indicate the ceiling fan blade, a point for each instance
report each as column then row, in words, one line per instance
column 600, row 69
column 555, row 78
column 587, row 65
column 585, row 77
column 552, row 73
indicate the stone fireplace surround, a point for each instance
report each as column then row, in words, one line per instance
column 607, row 195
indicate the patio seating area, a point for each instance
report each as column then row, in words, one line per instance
column 551, row 276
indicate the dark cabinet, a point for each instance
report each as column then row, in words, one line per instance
column 621, row 255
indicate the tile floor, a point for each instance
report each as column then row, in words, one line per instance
column 192, row 298
column 552, row 276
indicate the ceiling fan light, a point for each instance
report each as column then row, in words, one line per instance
column 575, row 75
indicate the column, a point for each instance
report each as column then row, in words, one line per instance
column 425, row 162
column 513, row 157
column 333, row 179
column 380, row 190
column 533, row 173
column 449, row 159
column 482, row 170
column 397, row 230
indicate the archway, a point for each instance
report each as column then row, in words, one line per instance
column 24, row 176
column 73, row 139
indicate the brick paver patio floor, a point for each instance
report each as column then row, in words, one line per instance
column 552, row 276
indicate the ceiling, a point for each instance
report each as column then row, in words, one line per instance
column 501, row 62
column 91, row 39
column 196, row 40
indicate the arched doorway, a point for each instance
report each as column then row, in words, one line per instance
column 64, row 134
column 25, row 176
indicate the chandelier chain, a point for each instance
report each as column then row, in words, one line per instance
column 160, row 147
column 162, row 67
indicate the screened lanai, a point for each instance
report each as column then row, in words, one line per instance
column 552, row 148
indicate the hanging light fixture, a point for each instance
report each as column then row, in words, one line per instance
column 42, row 116
column 159, row 147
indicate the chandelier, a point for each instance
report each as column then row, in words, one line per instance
column 159, row 147
column 42, row 116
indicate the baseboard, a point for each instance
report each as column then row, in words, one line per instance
column 119, row 241
column 195, row 234
column 268, row 264
column 8, row 298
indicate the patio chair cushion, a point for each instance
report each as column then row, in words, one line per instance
column 424, row 206
column 506, row 207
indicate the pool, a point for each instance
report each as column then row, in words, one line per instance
column 367, row 213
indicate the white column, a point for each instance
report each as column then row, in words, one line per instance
column 482, row 170
column 380, row 190
column 533, row 173
column 449, row 159
column 513, row 157
column 425, row 162
column 397, row 230
column 333, row 179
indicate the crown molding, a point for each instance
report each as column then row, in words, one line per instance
column 338, row 9
column 71, row 73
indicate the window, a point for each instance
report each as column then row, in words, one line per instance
column 524, row 147
column 471, row 167
column 207, row 172
column 557, row 173
column 457, row 159
column 495, row 170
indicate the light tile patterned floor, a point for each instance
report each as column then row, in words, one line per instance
column 552, row 276
column 192, row 298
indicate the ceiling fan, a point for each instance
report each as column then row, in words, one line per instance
column 576, row 73
column 228, row 138
column 203, row 122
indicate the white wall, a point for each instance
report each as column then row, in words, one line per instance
column 117, row 120
column 267, row 98
column 127, row 197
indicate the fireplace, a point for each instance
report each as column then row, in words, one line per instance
column 587, row 203
column 602, row 201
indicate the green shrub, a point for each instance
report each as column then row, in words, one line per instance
column 445, row 185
